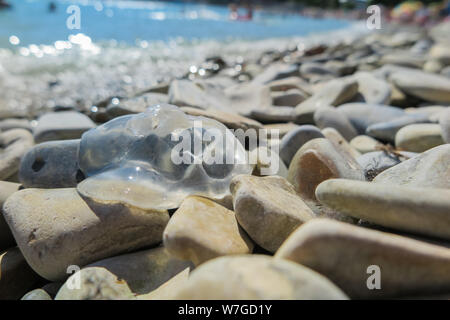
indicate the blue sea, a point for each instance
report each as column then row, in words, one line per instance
column 130, row 22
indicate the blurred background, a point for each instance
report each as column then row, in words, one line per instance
column 124, row 46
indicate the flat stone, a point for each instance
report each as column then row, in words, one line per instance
column 444, row 121
column 14, row 144
column 52, row 164
column 96, row 283
column 257, row 277
column 433, row 66
column 268, row 209
column 197, row 94
column 311, row 69
column 295, row 139
column 363, row 115
column 289, row 98
column 427, row 86
column 273, row 114
column 56, row 228
column 417, row 210
column 230, row 120
column 64, row 125
column 119, row 107
column 372, row 89
column 375, row 162
column 419, row 137
column 290, row 83
column 169, row 289
column 386, row 131
column 13, row 123
column 246, row 98
column 334, row 136
column 365, row 144
column 16, row 277
column 404, row 58
column 277, row 71
column 37, row 294
column 408, row 267
column 202, row 230
column 282, row 128
column 317, row 161
column 330, row 117
column 6, row 237
column 430, row 169
column 333, row 93
column 144, row 271
column 435, row 117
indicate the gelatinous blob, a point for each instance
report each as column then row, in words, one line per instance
column 154, row 159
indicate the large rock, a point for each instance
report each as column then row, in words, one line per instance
column 52, row 164
column 295, row 139
column 256, row 277
column 430, row 169
column 56, row 228
column 64, row 125
column 417, row 210
column 419, row 137
column 13, row 145
column 95, row 283
column 427, row 86
column 317, row 161
column 201, row 230
column 16, row 277
column 6, row 237
column 405, row 267
column 333, row 93
column 144, row 271
column 268, row 209
column 330, row 117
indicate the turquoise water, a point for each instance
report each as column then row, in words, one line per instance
column 132, row 22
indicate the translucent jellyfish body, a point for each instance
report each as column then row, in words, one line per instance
column 155, row 159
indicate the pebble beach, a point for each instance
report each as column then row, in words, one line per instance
column 93, row 206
